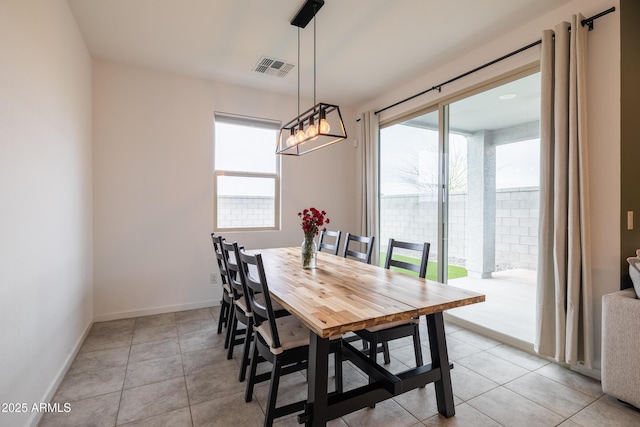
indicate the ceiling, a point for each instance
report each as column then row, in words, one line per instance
column 364, row 49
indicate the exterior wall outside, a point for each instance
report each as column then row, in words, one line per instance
column 517, row 228
column 414, row 218
column 245, row 211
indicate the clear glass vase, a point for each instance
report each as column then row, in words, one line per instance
column 309, row 252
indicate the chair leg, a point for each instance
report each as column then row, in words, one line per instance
column 373, row 355
column 417, row 347
column 385, row 352
column 230, row 318
column 248, row 338
column 338, row 369
column 273, row 393
column 224, row 315
column 373, row 349
column 248, row 394
column 234, row 329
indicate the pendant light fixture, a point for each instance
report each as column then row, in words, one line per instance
column 322, row 124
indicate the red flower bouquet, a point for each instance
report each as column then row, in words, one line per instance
column 312, row 220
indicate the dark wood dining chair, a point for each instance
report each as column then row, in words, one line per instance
column 419, row 248
column 239, row 328
column 365, row 256
column 226, row 301
column 241, row 324
column 283, row 341
column 335, row 247
column 401, row 329
column 367, row 242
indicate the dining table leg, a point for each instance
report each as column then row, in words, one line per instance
column 440, row 359
column 318, row 374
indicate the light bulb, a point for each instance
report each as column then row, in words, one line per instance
column 300, row 136
column 292, row 139
column 312, row 131
column 323, row 126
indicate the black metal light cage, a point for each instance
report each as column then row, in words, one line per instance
column 290, row 145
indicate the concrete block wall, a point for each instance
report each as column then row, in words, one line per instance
column 412, row 218
column 415, row 217
column 517, row 228
column 245, row 211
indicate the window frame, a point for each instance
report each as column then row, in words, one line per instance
column 275, row 176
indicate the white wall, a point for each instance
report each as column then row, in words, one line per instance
column 153, row 186
column 46, row 295
column 603, row 128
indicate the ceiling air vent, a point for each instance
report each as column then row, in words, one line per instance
column 273, row 67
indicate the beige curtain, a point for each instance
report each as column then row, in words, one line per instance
column 369, row 130
column 564, row 328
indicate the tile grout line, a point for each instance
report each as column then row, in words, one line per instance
column 486, row 415
column 627, row 407
column 526, row 398
column 184, row 375
column 541, row 405
column 567, row 385
column 126, row 369
column 122, row 393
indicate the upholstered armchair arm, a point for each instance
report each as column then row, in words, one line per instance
column 621, row 346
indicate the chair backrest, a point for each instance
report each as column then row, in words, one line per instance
column 362, row 256
column 328, row 246
column 222, row 265
column 255, row 280
column 230, row 252
column 422, row 248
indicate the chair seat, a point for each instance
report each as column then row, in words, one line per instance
column 292, row 334
column 274, row 304
column 242, row 304
column 226, row 288
column 392, row 324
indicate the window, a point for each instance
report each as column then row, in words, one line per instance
column 247, row 174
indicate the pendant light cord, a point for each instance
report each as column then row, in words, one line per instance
column 298, row 76
column 314, row 52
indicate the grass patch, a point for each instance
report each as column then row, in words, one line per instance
column 453, row 271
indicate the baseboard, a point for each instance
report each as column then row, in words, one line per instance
column 519, row 344
column 594, row 373
column 48, row 395
column 156, row 310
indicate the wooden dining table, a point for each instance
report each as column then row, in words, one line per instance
column 342, row 295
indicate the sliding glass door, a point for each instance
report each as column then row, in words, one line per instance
column 409, row 179
column 481, row 151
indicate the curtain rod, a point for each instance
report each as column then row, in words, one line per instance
column 438, row 87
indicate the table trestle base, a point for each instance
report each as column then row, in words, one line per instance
column 384, row 384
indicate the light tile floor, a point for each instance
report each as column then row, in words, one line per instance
column 171, row 370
